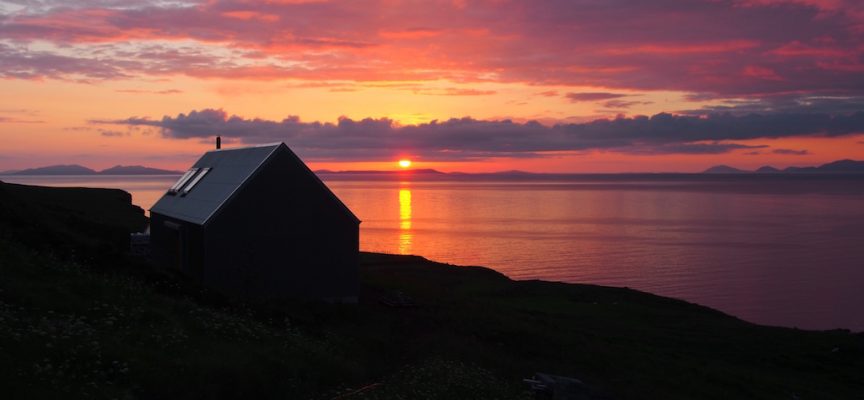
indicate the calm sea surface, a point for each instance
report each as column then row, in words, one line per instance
column 773, row 250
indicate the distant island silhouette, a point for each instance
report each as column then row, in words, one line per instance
column 836, row 167
column 74, row 169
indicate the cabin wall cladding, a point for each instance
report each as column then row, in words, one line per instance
column 178, row 244
column 281, row 234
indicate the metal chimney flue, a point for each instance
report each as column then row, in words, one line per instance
column 218, row 142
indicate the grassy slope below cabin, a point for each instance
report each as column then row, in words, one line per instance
column 80, row 319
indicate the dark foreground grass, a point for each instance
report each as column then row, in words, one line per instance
column 116, row 327
column 623, row 343
column 66, row 331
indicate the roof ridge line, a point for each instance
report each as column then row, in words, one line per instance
column 248, row 147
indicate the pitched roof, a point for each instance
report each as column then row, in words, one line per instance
column 229, row 170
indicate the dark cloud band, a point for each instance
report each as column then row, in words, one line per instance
column 469, row 139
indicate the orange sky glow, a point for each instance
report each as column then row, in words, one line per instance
column 455, row 86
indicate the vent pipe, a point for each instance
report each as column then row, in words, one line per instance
column 218, row 142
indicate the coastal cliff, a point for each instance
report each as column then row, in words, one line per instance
column 81, row 319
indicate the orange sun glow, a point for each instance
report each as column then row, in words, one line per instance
column 404, row 163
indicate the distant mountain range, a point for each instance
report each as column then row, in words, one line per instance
column 836, row 167
column 81, row 170
column 434, row 174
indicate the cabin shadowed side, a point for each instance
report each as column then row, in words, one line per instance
column 276, row 231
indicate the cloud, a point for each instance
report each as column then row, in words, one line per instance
column 763, row 73
column 471, row 139
column 133, row 60
column 467, row 92
column 15, row 120
column 593, row 96
column 19, row 111
column 17, row 62
column 110, row 133
column 686, row 48
column 687, row 148
column 621, row 104
column 790, row 152
column 773, row 47
column 452, row 92
column 142, row 91
column 784, row 103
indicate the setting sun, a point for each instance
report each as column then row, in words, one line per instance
column 404, row 163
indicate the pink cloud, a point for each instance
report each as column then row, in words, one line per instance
column 772, row 46
column 798, row 49
column 453, row 92
column 755, row 71
column 142, row 91
column 790, row 152
column 251, row 15
column 15, row 120
column 593, row 96
column 410, row 34
column 687, row 48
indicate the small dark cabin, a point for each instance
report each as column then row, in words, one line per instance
column 257, row 222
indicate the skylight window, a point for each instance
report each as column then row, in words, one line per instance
column 195, row 181
column 182, row 181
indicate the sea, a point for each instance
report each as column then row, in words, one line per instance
column 783, row 250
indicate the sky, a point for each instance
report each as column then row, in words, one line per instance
column 475, row 86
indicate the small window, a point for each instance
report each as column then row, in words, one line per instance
column 195, row 181
column 182, row 181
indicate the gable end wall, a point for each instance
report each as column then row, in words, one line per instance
column 283, row 236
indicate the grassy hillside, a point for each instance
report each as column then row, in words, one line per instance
column 90, row 225
column 126, row 329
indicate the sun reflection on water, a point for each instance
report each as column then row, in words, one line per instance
column 406, row 237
